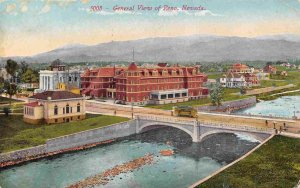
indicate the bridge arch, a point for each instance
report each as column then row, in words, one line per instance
column 139, row 130
column 205, row 135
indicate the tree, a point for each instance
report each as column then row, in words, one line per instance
column 6, row 111
column 243, row 90
column 1, row 84
column 23, row 67
column 11, row 89
column 217, row 95
column 11, row 67
column 29, row 76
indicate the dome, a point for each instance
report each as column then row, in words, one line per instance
column 132, row 67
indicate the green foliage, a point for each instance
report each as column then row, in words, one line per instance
column 11, row 67
column 23, row 67
column 11, row 89
column 16, row 134
column 243, row 90
column 6, row 111
column 214, row 76
column 217, row 95
column 1, row 85
column 275, row 164
column 29, row 76
column 4, row 100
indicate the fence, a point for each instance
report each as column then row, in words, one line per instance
column 205, row 123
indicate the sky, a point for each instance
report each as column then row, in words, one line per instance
column 29, row 27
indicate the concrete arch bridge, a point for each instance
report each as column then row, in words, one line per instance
column 199, row 130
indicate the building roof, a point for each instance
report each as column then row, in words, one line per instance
column 56, row 63
column 162, row 64
column 119, row 72
column 132, row 67
column 55, row 95
column 33, row 104
column 233, row 75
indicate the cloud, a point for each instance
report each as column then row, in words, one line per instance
column 162, row 12
column 10, row 7
column 190, row 13
column 207, row 13
column 45, row 9
column 24, row 8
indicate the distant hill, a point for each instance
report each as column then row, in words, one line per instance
column 195, row 48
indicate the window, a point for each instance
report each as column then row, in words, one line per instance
column 55, row 120
column 78, row 117
column 78, row 107
column 55, row 110
column 63, row 110
column 170, row 96
column 70, row 78
column 164, row 96
column 67, row 109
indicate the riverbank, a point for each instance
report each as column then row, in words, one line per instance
column 32, row 158
column 274, row 164
column 16, row 134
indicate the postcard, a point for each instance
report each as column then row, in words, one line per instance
column 149, row 93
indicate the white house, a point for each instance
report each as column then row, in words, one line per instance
column 233, row 80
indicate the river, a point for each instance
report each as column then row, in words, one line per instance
column 190, row 162
column 283, row 106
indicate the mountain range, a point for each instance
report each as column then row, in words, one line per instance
column 194, row 48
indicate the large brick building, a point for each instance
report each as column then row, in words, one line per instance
column 145, row 85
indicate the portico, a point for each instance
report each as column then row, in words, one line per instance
column 169, row 96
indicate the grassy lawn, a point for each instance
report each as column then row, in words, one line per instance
column 215, row 76
column 293, row 77
column 4, row 100
column 275, row 164
column 16, row 134
column 16, row 108
column 270, row 83
column 206, row 101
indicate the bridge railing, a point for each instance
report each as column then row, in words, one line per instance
column 205, row 123
column 166, row 119
column 239, row 127
column 250, row 115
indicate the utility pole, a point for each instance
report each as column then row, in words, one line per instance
column 132, row 110
column 133, row 55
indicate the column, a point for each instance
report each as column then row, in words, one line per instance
column 196, row 132
column 51, row 82
column 47, row 78
column 41, row 82
column 44, row 78
column 48, row 82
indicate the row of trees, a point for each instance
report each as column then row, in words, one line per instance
column 22, row 70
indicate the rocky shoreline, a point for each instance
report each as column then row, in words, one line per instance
column 103, row 178
column 15, row 162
